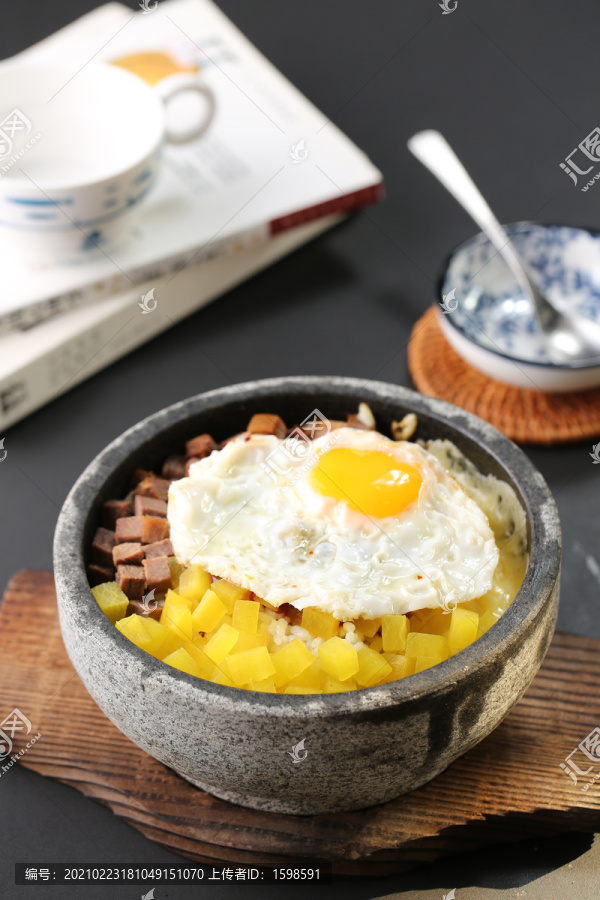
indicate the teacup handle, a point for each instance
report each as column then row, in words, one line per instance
column 175, row 84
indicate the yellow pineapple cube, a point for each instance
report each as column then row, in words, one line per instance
column 292, row 659
column 176, row 597
column 264, row 621
column 249, row 641
column 334, row 686
column 221, row 643
column 176, row 570
column 425, row 662
column 199, row 656
column 376, row 643
column 372, row 667
column 311, row 677
column 221, row 677
column 250, row 665
column 319, row 623
column 295, row 689
column 338, row 658
column 181, row 659
column 176, row 615
column 245, row 616
column 134, row 628
column 401, row 666
column 430, row 621
column 111, row 600
column 368, row 627
column 209, row 612
column 429, row 645
column 193, row 583
column 394, row 630
column 162, row 639
column 229, row 593
column 464, row 626
column 486, row 620
column 266, row 686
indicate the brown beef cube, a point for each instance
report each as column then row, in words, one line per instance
column 158, row 573
column 200, row 446
column 141, row 475
column 132, row 581
column 174, row 467
column 102, row 547
column 100, row 574
column 147, row 610
column 159, row 548
column 128, row 554
column 148, row 506
column 154, row 486
column 154, row 529
column 267, row 423
column 115, row 509
column 129, row 530
column 355, row 422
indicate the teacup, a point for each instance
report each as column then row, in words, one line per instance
column 79, row 150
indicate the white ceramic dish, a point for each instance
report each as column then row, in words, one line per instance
column 491, row 325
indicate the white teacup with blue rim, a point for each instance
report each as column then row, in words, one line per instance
column 79, row 151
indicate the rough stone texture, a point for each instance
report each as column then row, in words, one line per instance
column 364, row 747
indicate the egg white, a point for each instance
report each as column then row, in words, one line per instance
column 248, row 513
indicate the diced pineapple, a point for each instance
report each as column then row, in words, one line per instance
column 181, row 659
column 292, row 660
column 176, row 615
column 372, row 667
column 311, row 677
column 401, row 666
column 162, row 639
column 464, row 625
column 249, row 641
column 221, row 677
column 368, row 627
column 111, row 600
column 245, row 616
column 134, row 628
column 250, row 665
column 295, row 689
column 430, row 621
column 193, row 583
column 376, row 643
column 394, row 630
column 209, row 612
column 199, row 656
column 430, row 645
column 486, row 620
column 334, row 686
column 425, row 662
column 266, row 686
column 338, row 658
column 221, row 643
column 229, row 593
column 175, row 596
column 176, row 570
column 319, row 623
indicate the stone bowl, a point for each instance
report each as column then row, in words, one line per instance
column 359, row 748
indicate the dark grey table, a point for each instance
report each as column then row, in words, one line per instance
column 514, row 84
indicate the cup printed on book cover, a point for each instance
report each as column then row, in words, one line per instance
column 79, row 153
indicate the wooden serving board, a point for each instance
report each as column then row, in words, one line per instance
column 508, row 787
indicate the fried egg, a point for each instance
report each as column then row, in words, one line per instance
column 352, row 523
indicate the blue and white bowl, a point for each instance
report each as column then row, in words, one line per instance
column 485, row 317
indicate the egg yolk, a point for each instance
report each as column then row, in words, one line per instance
column 369, row 481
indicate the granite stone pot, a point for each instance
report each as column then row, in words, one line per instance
column 362, row 747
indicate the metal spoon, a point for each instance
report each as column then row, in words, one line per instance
column 568, row 339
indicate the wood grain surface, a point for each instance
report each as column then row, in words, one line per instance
column 508, row 787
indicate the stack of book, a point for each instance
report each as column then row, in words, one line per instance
column 271, row 173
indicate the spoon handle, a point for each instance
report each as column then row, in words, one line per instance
column 433, row 150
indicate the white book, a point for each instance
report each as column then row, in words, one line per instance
column 269, row 162
column 40, row 364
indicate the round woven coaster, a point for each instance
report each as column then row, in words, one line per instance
column 529, row 417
